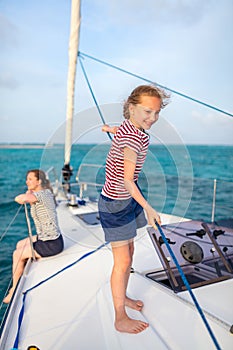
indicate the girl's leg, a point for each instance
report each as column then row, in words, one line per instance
column 119, row 281
column 20, row 256
column 25, row 241
column 133, row 304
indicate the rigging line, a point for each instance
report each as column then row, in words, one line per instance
column 188, row 286
column 81, row 54
column 13, row 272
column 21, row 313
column 4, row 233
column 213, row 317
column 93, row 96
column 23, row 247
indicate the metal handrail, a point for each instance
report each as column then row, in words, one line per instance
column 83, row 183
column 29, row 232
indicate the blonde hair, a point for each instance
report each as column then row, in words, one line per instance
column 145, row 90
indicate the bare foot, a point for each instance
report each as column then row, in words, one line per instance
column 134, row 304
column 7, row 299
column 127, row 325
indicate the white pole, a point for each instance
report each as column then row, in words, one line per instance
column 214, row 201
column 73, row 52
column 29, row 231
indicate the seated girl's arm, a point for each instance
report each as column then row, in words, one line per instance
column 130, row 159
column 27, row 197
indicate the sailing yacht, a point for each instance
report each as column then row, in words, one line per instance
column 183, row 271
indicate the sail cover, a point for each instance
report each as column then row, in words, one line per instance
column 73, row 52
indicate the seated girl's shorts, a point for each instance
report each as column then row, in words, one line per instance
column 49, row 247
column 120, row 218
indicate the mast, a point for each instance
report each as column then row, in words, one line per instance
column 73, row 54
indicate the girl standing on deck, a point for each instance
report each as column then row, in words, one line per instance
column 121, row 203
column 48, row 240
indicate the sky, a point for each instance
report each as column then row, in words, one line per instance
column 185, row 45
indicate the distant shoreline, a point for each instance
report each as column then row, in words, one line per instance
column 41, row 146
column 22, row 146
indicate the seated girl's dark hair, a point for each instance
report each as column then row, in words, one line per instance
column 40, row 175
column 45, row 183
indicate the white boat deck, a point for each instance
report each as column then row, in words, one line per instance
column 74, row 310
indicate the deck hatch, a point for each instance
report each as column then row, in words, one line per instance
column 204, row 257
column 90, row 218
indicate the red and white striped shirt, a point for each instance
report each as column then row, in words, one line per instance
column 129, row 136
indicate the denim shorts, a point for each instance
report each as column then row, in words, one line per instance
column 120, row 219
column 50, row 247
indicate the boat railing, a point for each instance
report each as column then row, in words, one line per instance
column 178, row 195
column 51, row 174
column 89, row 175
column 185, row 196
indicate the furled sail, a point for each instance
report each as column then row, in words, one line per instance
column 73, row 54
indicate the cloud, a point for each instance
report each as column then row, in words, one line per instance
column 7, row 81
column 8, row 33
column 210, row 118
column 182, row 44
column 147, row 12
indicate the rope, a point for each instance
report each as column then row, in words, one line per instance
column 188, row 287
column 13, row 273
column 93, row 96
column 81, row 54
column 4, row 233
column 21, row 313
column 1, row 238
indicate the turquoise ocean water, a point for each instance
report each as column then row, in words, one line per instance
column 175, row 179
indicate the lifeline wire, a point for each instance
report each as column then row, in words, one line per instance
column 188, row 287
column 4, row 233
column 21, row 313
column 93, row 96
column 81, row 54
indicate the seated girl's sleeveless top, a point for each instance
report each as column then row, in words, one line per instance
column 44, row 215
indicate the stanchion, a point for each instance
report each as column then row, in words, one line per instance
column 29, row 231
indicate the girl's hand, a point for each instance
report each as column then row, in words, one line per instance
column 111, row 129
column 20, row 199
column 152, row 215
column 27, row 197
